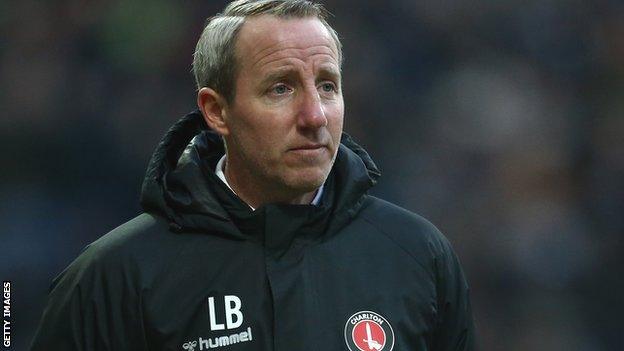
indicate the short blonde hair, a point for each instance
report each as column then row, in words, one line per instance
column 214, row 60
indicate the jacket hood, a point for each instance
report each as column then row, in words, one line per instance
column 180, row 183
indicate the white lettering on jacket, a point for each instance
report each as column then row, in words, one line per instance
column 233, row 314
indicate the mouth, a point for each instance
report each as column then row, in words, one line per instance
column 307, row 147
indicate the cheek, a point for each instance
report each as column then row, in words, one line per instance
column 335, row 119
column 263, row 135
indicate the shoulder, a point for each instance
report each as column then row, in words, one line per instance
column 129, row 240
column 407, row 229
column 136, row 249
column 102, row 290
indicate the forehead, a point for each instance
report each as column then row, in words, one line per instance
column 266, row 39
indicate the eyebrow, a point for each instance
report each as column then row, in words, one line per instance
column 278, row 74
column 330, row 70
column 289, row 72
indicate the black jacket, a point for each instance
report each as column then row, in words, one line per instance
column 199, row 270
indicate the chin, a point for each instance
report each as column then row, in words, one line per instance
column 307, row 181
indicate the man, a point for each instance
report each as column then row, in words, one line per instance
column 258, row 233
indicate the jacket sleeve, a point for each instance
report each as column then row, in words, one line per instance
column 92, row 305
column 455, row 326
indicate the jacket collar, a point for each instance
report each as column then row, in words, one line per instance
column 180, row 184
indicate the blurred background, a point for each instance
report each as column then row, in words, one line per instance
column 502, row 122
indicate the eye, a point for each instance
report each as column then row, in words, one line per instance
column 280, row 89
column 328, row 87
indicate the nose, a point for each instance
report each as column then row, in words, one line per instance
column 311, row 112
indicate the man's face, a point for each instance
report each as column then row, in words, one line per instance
column 286, row 118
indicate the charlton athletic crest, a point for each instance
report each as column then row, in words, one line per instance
column 368, row 331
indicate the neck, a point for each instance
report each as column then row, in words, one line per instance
column 256, row 192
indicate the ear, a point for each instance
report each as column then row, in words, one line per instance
column 212, row 106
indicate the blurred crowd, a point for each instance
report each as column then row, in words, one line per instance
column 502, row 122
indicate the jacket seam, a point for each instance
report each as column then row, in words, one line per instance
column 161, row 272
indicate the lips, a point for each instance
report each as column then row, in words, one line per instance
column 308, row 147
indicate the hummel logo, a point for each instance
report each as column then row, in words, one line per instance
column 219, row 341
column 190, row 346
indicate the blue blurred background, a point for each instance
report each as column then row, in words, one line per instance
column 500, row 121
